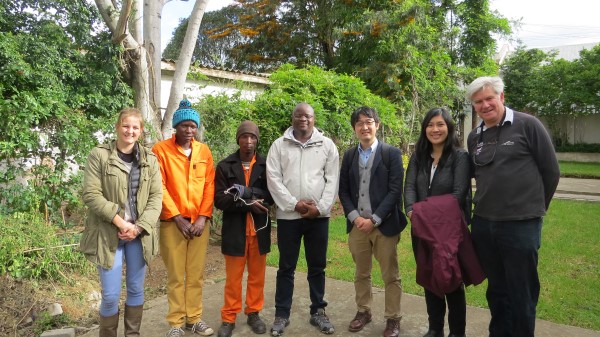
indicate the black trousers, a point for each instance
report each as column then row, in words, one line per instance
column 290, row 233
column 457, row 311
column 508, row 252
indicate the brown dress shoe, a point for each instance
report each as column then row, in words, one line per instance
column 392, row 328
column 360, row 320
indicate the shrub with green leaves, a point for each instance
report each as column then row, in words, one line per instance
column 31, row 248
column 333, row 97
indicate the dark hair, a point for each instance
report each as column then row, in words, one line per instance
column 423, row 147
column 365, row 111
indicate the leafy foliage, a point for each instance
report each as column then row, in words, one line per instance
column 415, row 53
column 30, row 248
column 333, row 97
column 538, row 83
column 217, row 41
column 54, row 97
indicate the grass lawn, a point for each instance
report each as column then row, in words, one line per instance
column 573, row 169
column 569, row 266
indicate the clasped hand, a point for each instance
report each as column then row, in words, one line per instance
column 364, row 224
column 128, row 232
column 307, row 209
column 189, row 230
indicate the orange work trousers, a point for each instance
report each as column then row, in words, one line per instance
column 234, row 267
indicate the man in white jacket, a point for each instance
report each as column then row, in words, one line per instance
column 302, row 176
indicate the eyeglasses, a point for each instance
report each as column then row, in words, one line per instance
column 368, row 123
column 481, row 145
column 307, row 117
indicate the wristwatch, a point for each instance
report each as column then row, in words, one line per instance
column 375, row 222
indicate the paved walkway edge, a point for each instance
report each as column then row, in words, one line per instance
column 341, row 310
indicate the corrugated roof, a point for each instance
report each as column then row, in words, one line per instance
column 569, row 52
column 199, row 65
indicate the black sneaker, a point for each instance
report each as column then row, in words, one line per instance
column 256, row 323
column 320, row 320
column 226, row 329
column 279, row 325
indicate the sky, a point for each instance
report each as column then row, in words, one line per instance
column 551, row 23
column 175, row 10
column 544, row 23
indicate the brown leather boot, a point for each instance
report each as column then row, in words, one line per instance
column 109, row 325
column 392, row 328
column 133, row 320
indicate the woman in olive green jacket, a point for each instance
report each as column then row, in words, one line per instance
column 122, row 188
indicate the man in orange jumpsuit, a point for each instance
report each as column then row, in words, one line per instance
column 188, row 175
column 241, row 192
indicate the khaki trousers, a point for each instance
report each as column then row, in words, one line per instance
column 184, row 260
column 364, row 247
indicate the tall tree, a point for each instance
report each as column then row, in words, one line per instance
column 217, row 40
column 521, row 74
column 415, row 52
column 141, row 55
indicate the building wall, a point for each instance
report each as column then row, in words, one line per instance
column 575, row 129
column 194, row 90
column 216, row 81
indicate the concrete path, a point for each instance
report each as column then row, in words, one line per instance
column 578, row 189
column 341, row 310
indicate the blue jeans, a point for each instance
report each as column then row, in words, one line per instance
column 289, row 237
column 110, row 279
column 508, row 252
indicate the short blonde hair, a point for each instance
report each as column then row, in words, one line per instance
column 130, row 112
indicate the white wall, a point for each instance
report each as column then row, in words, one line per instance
column 194, row 90
column 578, row 129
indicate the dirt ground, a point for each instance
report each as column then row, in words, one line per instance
column 22, row 302
column 157, row 274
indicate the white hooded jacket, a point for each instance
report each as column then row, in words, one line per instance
column 298, row 171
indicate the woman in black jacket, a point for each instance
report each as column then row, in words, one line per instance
column 440, row 166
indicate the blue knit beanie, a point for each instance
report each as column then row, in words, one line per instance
column 186, row 113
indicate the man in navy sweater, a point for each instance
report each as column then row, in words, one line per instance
column 517, row 172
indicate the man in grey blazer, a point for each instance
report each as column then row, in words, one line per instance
column 370, row 191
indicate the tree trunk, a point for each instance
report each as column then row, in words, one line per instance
column 152, row 43
column 142, row 60
column 183, row 65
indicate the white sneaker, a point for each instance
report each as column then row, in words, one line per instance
column 200, row 328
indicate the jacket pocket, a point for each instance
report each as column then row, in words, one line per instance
column 155, row 238
column 199, row 168
column 88, row 244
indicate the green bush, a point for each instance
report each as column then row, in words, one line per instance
column 32, row 248
column 333, row 97
column 581, row 147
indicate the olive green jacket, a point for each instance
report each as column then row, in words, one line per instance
column 105, row 189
